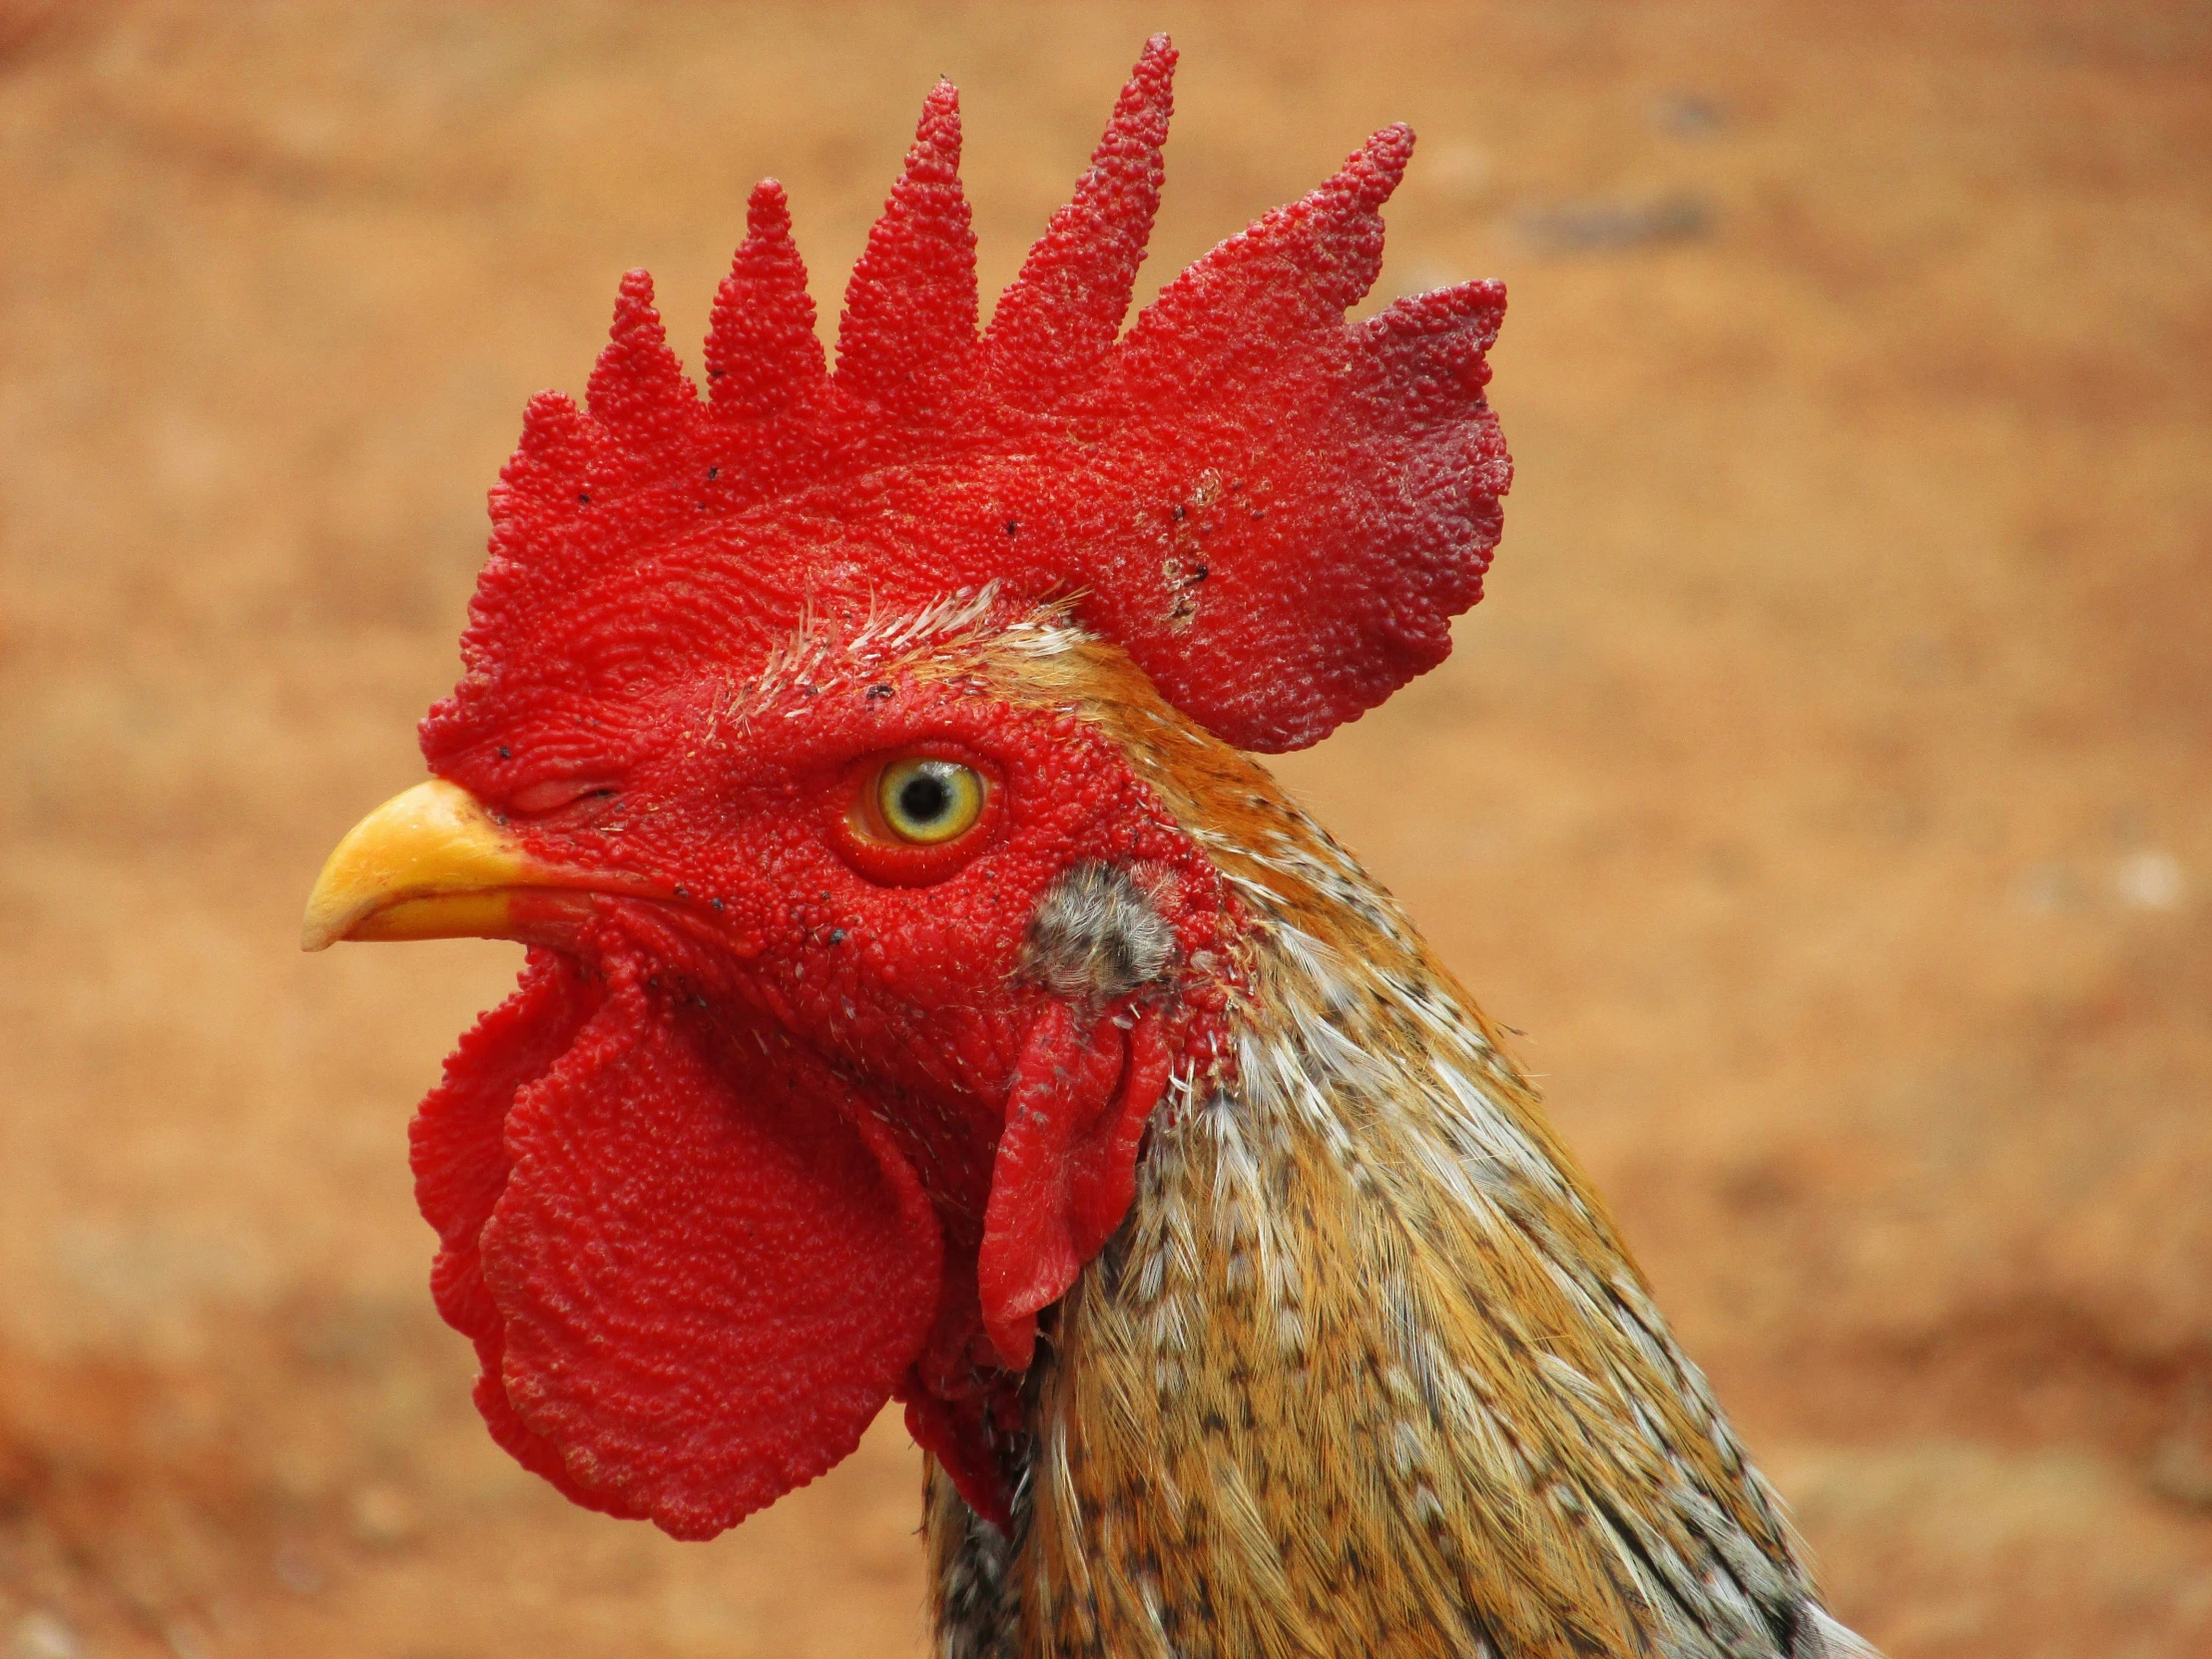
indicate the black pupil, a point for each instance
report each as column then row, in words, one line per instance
column 925, row 797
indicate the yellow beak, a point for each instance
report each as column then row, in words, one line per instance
column 433, row 863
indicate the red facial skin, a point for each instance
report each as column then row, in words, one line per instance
column 858, row 1004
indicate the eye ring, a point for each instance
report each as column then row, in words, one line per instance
column 924, row 841
column 924, row 801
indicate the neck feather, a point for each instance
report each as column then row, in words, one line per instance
column 1368, row 1368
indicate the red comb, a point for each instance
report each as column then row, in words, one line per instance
column 1277, row 513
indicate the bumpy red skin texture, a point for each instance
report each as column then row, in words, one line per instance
column 805, row 1055
column 719, row 1180
column 639, row 1255
column 1275, row 511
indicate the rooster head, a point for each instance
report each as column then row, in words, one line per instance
column 812, row 736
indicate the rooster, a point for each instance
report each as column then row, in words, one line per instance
column 928, row 998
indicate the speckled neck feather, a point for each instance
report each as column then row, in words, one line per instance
column 1367, row 1368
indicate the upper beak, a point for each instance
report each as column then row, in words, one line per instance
column 433, row 863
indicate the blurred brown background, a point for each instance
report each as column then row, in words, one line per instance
column 1822, row 787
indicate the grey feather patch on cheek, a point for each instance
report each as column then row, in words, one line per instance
column 1096, row 933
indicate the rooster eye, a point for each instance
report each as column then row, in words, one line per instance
column 929, row 802
column 553, row 793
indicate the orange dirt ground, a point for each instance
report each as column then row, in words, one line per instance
column 1822, row 787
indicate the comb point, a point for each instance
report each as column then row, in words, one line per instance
column 907, row 340
column 762, row 356
column 638, row 390
column 1060, row 316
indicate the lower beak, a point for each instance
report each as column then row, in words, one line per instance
column 433, row 863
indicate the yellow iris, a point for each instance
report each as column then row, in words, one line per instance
column 927, row 801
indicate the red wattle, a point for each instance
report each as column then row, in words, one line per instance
column 957, row 1432
column 457, row 1148
column 700, row 1273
